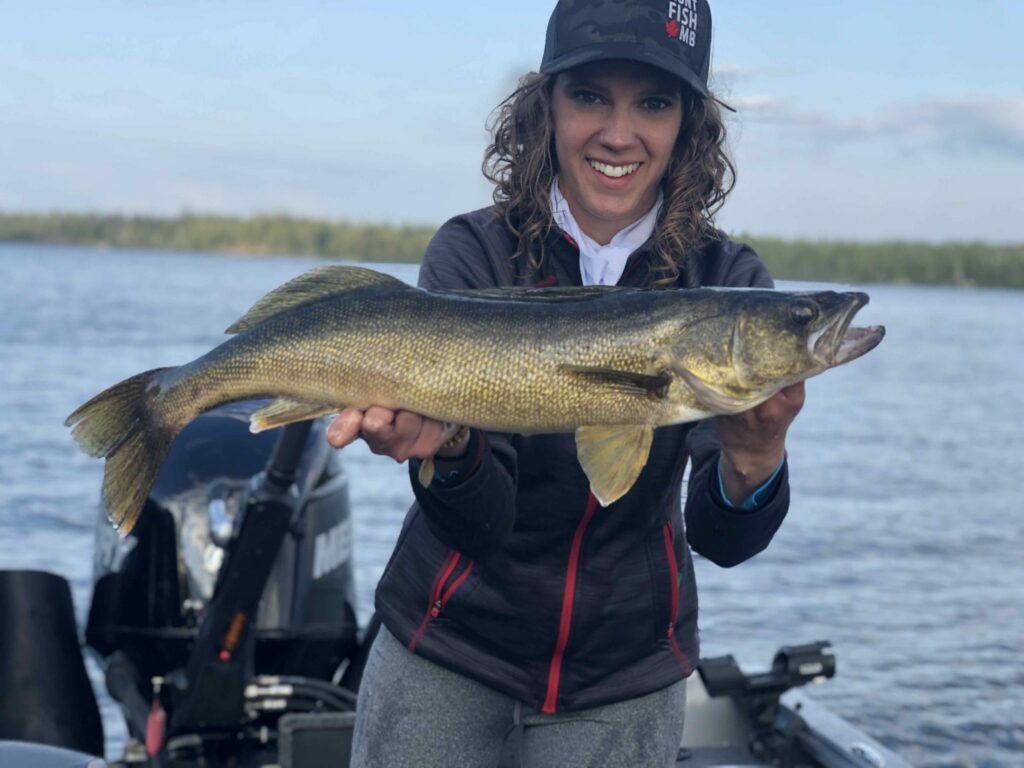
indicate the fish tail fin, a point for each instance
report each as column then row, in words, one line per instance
column 121, row 425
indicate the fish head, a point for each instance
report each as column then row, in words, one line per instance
column 787, row 337
column 762, row 341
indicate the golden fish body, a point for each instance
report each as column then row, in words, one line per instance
column 610, row 364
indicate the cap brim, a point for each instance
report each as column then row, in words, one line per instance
column 627, row 52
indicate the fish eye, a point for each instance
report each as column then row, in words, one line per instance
column 803, row 311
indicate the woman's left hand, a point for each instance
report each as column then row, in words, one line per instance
column 754, row 441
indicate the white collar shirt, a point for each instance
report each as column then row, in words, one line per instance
column 603, row 264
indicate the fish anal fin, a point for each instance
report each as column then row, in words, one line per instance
column 284, row 411
column 715, row 400
column 317, row 283
column 612, row 458
column 652, row 385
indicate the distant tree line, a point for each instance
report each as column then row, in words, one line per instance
column 271, row 234
column 979, row 264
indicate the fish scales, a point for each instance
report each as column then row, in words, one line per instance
column 460, row 360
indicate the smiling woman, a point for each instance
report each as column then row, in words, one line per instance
column 512, row 602
column 616, row 124
column 532, row 152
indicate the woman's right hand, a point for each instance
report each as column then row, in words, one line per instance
column 399, row 434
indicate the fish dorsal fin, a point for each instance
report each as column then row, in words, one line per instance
column 627, row 382
column 317, row 283
column 550, row 294
column 612, row 458
column 284, row 411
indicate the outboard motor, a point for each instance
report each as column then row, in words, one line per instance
column 234, row 589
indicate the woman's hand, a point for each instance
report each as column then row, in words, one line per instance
column 754, row 442
column 398, row 434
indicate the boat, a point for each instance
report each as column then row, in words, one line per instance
column 226, row 628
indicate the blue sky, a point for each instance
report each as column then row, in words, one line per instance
column 863, row 120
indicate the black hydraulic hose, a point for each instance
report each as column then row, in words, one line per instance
column 296, row 701
column 311, row 683
column 283, row 688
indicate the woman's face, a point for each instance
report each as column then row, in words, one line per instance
column 616, row 123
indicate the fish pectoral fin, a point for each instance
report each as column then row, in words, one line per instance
column 651, row 385
column 317, row 283
column 612, row 458
column 712, row 399
column 284, row 411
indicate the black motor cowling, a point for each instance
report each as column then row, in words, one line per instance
column 45, row 695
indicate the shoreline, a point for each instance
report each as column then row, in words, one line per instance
column 974, row 264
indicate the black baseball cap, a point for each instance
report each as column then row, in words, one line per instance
column 672, row 35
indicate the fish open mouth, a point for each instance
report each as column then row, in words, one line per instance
column 838, row 343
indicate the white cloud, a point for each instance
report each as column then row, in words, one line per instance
column 966, row 123
column 956, row 125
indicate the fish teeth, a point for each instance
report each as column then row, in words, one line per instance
column 613, row 171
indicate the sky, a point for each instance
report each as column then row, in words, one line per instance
column 857, row 119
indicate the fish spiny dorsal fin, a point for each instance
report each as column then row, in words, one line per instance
column 317, row 283
column 550, row 294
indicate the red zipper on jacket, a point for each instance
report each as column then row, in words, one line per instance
column 555, row 670
column 673, row 572
column 439, row 596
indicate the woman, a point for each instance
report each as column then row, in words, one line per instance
column 513, row 602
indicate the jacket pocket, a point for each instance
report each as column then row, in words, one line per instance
column 673, row 578
column 447, row 581
column 675, row 584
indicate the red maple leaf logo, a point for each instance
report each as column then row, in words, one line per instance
column 672, row 27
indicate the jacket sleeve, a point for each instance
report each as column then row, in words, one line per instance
column 722, row 534
column 475, row 514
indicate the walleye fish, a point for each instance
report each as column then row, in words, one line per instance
column 610, row 364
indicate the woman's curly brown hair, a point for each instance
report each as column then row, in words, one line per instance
column 521, row 162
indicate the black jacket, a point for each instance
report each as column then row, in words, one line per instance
column 515, row 576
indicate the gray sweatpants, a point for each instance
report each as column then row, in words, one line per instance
column 413, row 713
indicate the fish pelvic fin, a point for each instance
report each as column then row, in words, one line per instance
column 651, row 385
column 120, row 425
column 612, row 458
column 284, row 411
column 316, row 284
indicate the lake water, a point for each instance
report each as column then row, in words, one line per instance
column 902, row 546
